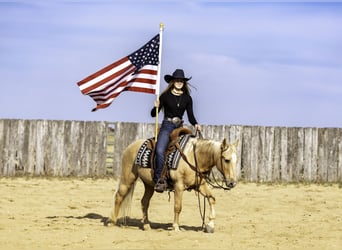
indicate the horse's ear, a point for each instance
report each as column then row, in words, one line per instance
column 236, row 143
column 224, row 144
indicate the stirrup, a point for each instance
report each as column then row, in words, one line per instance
column 160, row 186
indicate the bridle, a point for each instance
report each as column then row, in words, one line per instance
column 215, row 183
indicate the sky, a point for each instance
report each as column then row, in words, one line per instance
column 252, row 63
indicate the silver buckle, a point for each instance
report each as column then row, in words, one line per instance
column 176, row 120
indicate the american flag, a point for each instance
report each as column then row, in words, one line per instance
column 135, row 72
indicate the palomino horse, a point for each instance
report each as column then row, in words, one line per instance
column 202, row 154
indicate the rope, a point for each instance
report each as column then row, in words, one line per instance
column 199, row 174
column 200, row 209
column 215, row 183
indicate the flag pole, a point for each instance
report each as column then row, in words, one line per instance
column 161, row 28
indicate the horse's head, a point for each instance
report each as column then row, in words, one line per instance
column 227, row 163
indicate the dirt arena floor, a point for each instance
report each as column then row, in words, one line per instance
column 51, row 213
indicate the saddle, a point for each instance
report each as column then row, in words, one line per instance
column 146, row 153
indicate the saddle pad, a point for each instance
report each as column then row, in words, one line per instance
column 173, row 157
column 144, row 154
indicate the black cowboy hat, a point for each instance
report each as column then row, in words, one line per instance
column 178, row 74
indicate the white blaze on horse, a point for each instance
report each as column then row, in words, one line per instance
column 201, row 155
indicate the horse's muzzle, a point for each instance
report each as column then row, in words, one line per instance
column 230, row 184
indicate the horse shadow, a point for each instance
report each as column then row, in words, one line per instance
column 129, row 222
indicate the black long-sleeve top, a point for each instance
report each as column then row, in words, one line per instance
column 174, row 105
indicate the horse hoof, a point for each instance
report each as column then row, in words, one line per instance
column 208, row 229
column 147, row 227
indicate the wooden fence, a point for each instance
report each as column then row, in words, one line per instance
column 56, row 148
column 80, row 148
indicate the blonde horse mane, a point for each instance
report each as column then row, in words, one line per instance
column 209, row 147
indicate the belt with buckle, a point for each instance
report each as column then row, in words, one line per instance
column 175, row 120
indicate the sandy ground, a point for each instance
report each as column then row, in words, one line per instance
column 40, row 213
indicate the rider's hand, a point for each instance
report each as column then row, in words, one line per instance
column 198, row 127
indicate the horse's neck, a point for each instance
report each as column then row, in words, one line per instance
column 206, row 153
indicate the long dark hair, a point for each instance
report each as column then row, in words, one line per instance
column 185, row 87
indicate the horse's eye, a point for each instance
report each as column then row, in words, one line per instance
column 226, row 160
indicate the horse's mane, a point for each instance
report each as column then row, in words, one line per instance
column 209, row 147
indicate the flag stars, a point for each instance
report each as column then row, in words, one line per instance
column 148, row 54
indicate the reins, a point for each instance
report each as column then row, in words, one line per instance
column 198, row 174
column 215, row 183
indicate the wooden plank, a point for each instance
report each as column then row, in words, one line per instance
column 292, row 147
column 69, row 152
column 14, row 147
column 21, row 147
column 74, row 152
column 54, row 164
column 82, row 150
column 101, row 150
column 322, row 155
column 339, row 166
column 31, row 139
column 314, row 169
column 2, row 146
column 299, row 164
column 47, row 140
column 222, row 133
column 269, row 152
column 283, row 154
column 332, row 157
column 308, row 155
column 254, row 151
column 40, row 147
column 277, row 153
column 88, row 147
column 60, row 143
column 262, row 172
column 61, row 168
column 110, row 147
column 97, row 148
column 6, row 151
column 245, row 153
column 10, row 147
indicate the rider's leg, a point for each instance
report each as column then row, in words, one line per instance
column 162, row 143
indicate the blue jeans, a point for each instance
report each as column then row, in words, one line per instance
column 162, row 142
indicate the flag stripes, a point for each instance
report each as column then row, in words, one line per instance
column 136, row 72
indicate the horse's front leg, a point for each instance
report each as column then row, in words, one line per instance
column 204, row 190
column 177, row 208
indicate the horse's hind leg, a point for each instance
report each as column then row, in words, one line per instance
column 124, row 192
column 118, row 198
column 145, row 203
